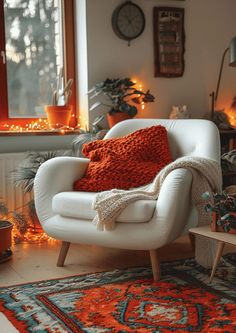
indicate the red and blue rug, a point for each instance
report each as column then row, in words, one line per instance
column 127, row 300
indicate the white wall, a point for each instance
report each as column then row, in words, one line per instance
column 209, row 27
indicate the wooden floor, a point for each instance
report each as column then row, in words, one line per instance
column 33, row 262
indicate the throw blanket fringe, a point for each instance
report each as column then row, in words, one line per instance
column 206, row 174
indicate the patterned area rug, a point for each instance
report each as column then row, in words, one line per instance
column 127, row 301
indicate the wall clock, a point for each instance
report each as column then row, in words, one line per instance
column 128, row 21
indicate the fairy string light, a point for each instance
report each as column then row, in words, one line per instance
column 37, row 125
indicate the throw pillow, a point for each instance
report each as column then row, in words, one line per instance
column 126, row 162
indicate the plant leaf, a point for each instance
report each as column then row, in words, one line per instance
column 206, row 195
column 225, row 217
column 3, row 209
column 132, row 111
column 95, row 94
column 95, row 105
column 92, row 90
column 98, row 119
column 208, row 208
column 219, row 222
column 226, row 228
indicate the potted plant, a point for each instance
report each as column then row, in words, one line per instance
column 59, row 112
column 121, row 98
column 8, row 220
column 223, row 209
column 19, row 220
column 23, row 176
column 5, row 239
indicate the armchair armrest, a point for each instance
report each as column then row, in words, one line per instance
column 173, row 205
column 55, row 175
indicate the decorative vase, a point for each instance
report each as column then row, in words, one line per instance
column 116, row 117
column 58, row 115
column 5, row 240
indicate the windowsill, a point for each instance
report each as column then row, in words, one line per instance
column 40, row 132
column 36, row 140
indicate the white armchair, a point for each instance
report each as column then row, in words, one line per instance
column 145, row 224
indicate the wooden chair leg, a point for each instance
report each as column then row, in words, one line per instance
column 155, row 262
column 63, row 252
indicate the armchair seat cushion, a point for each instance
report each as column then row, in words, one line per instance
column 79, row 205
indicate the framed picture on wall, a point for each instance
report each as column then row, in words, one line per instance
column 169, row 40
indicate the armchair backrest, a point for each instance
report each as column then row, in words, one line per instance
column 187, row 137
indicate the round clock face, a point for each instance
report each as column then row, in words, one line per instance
column 128, row 21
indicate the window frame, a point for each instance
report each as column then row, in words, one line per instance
column 69, row 53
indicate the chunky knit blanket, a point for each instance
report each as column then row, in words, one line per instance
column 206, row 176
column 143, row 152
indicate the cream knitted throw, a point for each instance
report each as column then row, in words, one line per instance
column 206, row 176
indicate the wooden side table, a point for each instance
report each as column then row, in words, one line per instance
column 222, row 238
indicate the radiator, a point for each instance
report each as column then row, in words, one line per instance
column 13, row 196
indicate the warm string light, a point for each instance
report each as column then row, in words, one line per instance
column 38, row 125
column 31, row 236
column 140, row 88
column 231, row 116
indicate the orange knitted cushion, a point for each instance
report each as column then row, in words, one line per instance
column 125, row 162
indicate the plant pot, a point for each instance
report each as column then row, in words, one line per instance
column 231, row 229
column 116, row 117
column 58, row 115
column 5, row 240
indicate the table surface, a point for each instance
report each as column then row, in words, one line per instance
column 220, row 236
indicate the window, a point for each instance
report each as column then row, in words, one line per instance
column 34, row 35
